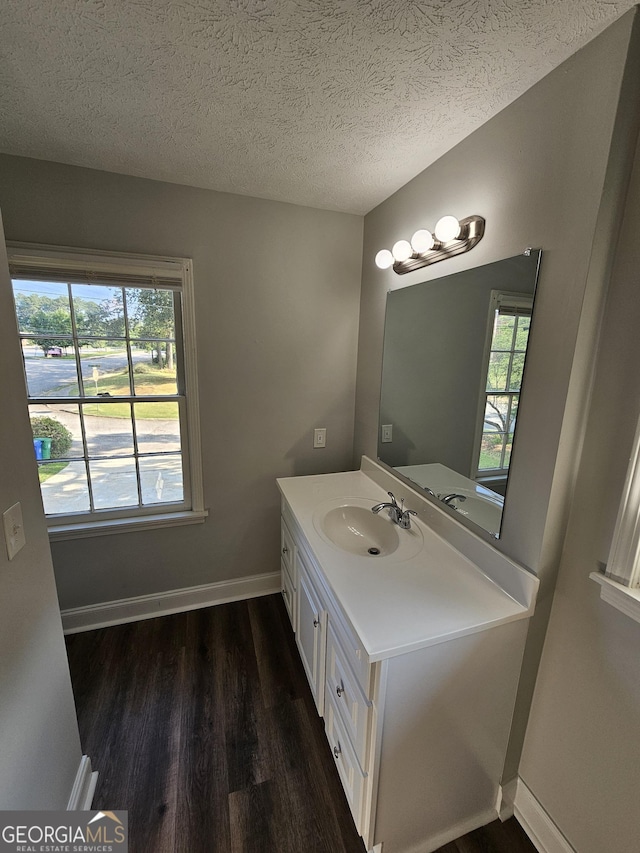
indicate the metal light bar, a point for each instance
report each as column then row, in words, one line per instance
column 471, row 232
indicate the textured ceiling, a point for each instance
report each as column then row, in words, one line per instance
column 328, row 103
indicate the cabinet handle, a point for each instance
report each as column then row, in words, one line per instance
column 316, row 622
column 285, row 550
column 337, row 751
column 340, row 690
column 284, row 592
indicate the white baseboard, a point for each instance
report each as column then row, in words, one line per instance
column 514, row 798
column 543, row 832
column 78, row 619
column 506, row 799
column 435, row 842
column 84, row 786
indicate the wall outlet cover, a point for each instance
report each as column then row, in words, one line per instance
column 320, row 437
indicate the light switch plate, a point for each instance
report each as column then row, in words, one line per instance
column 13, row 530
column 387, row 433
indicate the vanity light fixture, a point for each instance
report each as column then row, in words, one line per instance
column 402, row 251
column 450, row 237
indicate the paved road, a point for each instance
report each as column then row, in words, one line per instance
column 47, row 377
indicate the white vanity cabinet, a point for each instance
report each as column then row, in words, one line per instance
column 311, row 633
column 289, row 573
column 419, row 736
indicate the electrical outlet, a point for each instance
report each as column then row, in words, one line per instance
column 13, row 530
column 387, row 433
column 320, row 437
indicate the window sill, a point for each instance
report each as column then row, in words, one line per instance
column 623, row 598
column 84, row 530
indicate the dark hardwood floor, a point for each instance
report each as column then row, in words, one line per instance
column 202, row 726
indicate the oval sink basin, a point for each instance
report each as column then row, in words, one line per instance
column 350, row 525
column 358, row 530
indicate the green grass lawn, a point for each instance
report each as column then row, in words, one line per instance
column 51, row 468
column 150, row 381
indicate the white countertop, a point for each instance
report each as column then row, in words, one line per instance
column 398, row 606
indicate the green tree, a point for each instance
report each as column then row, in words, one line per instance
column 98, row 318
column 53, row 324
column 152, row 311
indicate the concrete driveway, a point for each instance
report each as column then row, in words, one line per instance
column 113, row 480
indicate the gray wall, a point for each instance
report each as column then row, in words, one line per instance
column 277, row 291
column 549, row 171
column 39, row 741
column 581, row 753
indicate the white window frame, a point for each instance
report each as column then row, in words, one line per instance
column 620, row 583
column 497, row 298
column 28, row 255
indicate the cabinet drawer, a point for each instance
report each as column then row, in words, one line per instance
column 352, row 651
column 352, row 705
column 351, row 775
column 287, row 552
column 288, row 594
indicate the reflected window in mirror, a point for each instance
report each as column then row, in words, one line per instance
column 507, row 339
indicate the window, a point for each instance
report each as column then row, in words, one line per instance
column 511, row 321
column 620, row 583
column 109, row 356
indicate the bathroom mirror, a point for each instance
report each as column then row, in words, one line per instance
column 452, row 371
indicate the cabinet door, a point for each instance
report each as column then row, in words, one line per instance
column 289, row 584
column 311, row 634
column 289, row 596
column 287, row 551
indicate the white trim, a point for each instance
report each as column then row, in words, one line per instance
column 514, row 798
column 151, row 265
column 86, row 529
column 505, row 799
column 622, row 597
column 543, row 832
column 84, row 786
column 118, row 612
column 435, row 842
column 191, row 382
column 623, row 564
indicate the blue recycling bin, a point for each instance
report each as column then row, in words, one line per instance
column 37, row 446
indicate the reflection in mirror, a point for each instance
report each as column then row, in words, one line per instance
column 452, row 371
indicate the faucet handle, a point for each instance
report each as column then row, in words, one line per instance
column 393, row 499
column 404, row 519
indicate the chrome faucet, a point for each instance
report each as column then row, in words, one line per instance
column 397, row 513
column 447, row 499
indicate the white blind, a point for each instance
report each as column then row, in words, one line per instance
column 84, row 269
column 513, row 303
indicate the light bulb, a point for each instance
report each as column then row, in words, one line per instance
column 422, row 241
column 447, row 228
column 402, row 250
column 384, row 259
